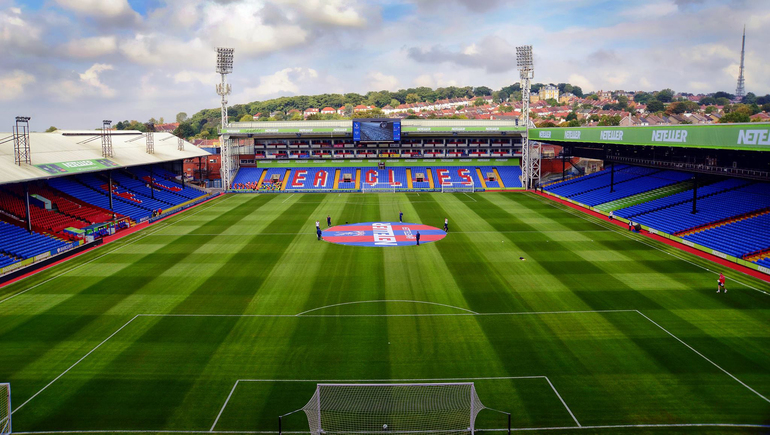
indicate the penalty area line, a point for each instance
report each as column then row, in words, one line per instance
column 73, row 365
column 704, row 357
column 387, row 300
column 562, row 401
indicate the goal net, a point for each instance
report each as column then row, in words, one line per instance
column 449, row 187
column 377, row 188
column 5, row 408
column 449, row 408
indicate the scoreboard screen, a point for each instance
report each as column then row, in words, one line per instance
column 376, row 130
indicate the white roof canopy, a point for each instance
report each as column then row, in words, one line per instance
column 66, row 152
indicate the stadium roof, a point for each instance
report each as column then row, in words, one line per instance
column 66, row 152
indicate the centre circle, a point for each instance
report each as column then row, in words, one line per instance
column 382, row 234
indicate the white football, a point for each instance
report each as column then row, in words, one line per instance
column 384, row 426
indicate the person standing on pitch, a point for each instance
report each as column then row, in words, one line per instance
column 446, row 225
column 721, row 283
column 317, row 225
column 418, row 238
column 328, row 221
column 401, row 216
column 318, row 233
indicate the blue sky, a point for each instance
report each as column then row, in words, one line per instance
column 71, row 63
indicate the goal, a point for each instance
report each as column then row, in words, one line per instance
column 449, row 187
column 435, row 408
column 5, row 408
column 377, row 188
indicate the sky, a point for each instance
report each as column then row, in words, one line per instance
column 73, row 63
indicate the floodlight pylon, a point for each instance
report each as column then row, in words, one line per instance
column 150, row 140
column 21, row 142
column 224, row 67
column 107, row 138
column 530, row 150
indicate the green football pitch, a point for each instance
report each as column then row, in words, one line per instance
column 226, row 316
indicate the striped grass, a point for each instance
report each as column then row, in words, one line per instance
column 595, row 327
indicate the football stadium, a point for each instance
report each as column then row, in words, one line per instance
column 386, row 275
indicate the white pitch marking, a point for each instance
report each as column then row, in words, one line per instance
column 387, row 315
column 562, row 401
column 614, row 426
column 614, row 230
column 288, row 198
column 76, row 363
column 225, row 405
column 704, row 357
column 474, row 199
column 384, row 300
column 140, row 237
column 483, row 378
column 471, row 313
column 495, row 378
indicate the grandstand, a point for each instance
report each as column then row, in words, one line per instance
column 74, row 193
column 727, row 215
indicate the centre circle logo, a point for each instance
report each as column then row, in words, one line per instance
column 382, row 234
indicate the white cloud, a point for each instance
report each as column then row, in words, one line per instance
column 87, row 84
column 91, row 47
column 493, row 53
column 381, row 82
column 157, row 49
column 209, row 78
column 91, row 78
column 584, row 83
column 242, row 26
column 644, row 11
column 12, row 84
column 17, row 32
column 99, row 8
column 283, row 82
column 434, row 80
column 471, row 50
column 333, row 12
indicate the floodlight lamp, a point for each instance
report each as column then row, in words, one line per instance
column 107, row 121
column 22, row 118
column 524, row 57
column 224, row 60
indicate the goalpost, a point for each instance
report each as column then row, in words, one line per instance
column 5, row 409
column 435, row 408
column 377, row 188
column 449, row 187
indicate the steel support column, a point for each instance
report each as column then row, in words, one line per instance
column 29, row 214
column 612, row 177
column 152, row 189
column 694, row 193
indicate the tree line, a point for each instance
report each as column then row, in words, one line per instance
column 205, row 123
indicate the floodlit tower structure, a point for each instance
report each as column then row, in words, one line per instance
column 740, row 91
column 107, row 138
column 530, row 150
column 224, row 67
column 150, row 142
column 21, row 149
